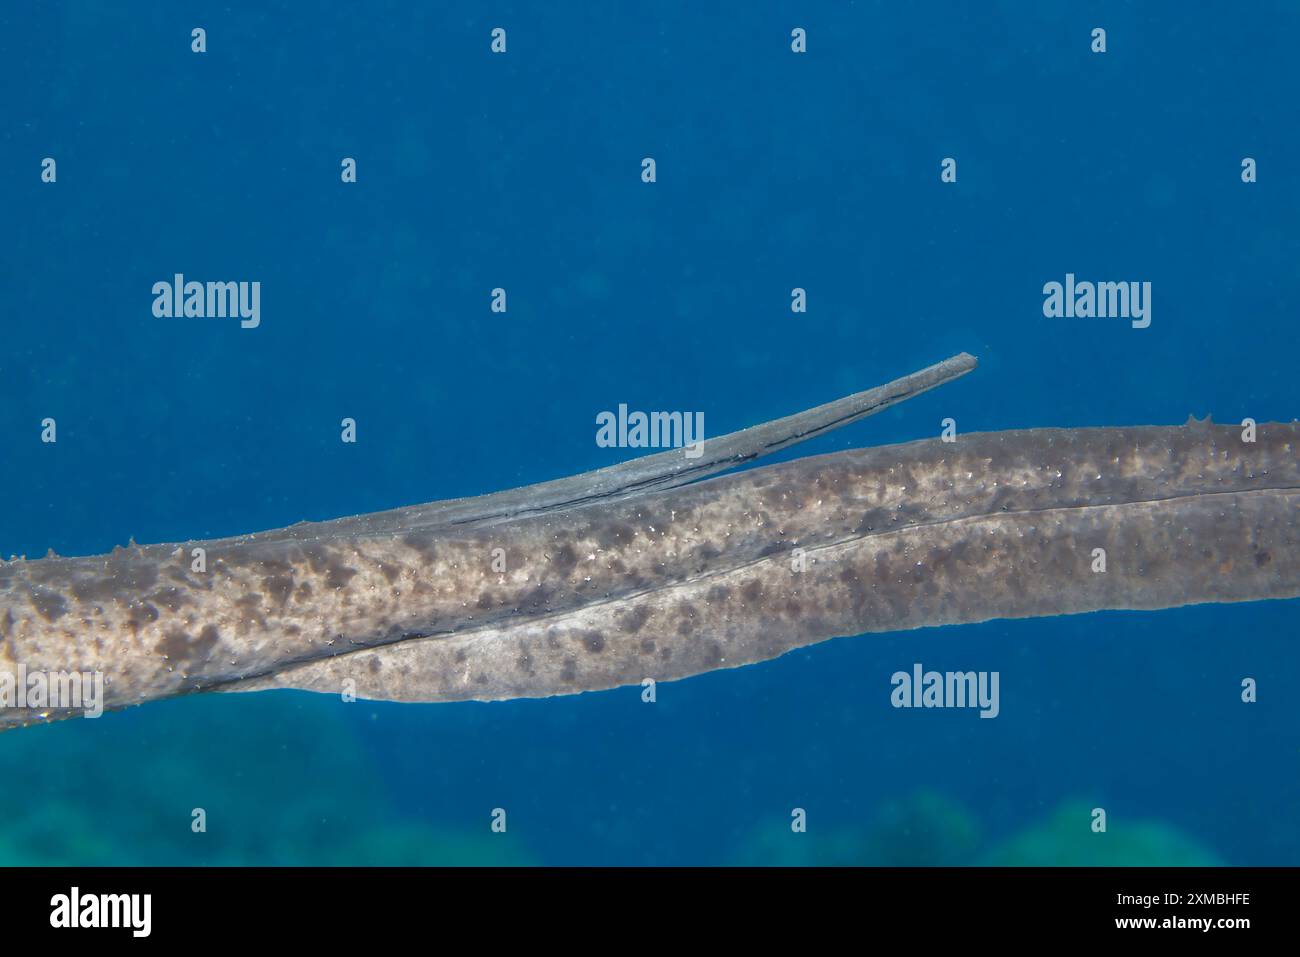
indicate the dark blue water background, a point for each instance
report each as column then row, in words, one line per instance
column 523, row 171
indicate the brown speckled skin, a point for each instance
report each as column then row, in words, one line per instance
column 673, row 583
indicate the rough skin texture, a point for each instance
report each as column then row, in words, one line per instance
column 673, row 583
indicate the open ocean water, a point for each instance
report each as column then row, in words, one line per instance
column 522, row 170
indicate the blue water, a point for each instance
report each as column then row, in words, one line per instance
column 522, row 171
